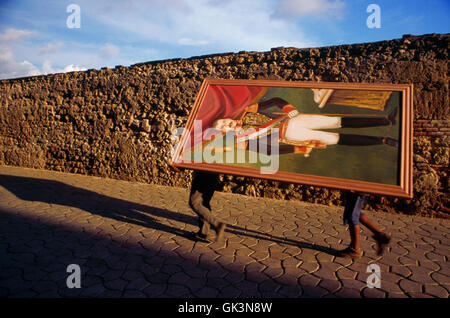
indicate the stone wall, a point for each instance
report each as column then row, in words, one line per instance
column 117, row 122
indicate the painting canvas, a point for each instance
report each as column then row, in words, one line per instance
column 338, row 135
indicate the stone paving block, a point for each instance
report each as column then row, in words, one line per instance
column 229, row 292
column 279, row 255
column 409, row 286
column 227, row 251
column 316, row 292
column 441, row 250
column 244, row 251
column 236, row 267
column 260, row 255
column 250, row 242
column 343, row 261
column 345, row 273
column 273, row 272
column 353, row 284
column 421, row 275
column 290, row 291
column 308, row 255
column 391, row 259
column 207, row 292
column 419, row 295
column 429, row 265
column 436, row 291
column 401, row 270
column 328, row 271
column 293, row 250
column 92, row 291
column 373, row 293
column 325, row 258
column 173, row 290
column 291, row 262
column 348, row 293
column 248, row 289
column 133, row 294
column 171, row 269
column 269, row 286
column 217, row 283
column 435, row 257
column 44, row 286
column 331, row 285
column 224, row 261
column 271, row 262
column 444, row 268
column 390, row 287
column 310, row 267
column 157, row 290
column 440, row 278
column 390, row 277
column 116, row 284
column 234, row 278
column 308, row 281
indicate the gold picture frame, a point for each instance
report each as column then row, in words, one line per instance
column 348, row 136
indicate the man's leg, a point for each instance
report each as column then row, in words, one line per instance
column 203, row 187
column 380, row 237
column 364, row 220
column 354, row 236
column 196, row 204
column 352, row 214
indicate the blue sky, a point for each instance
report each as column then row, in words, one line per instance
column 35, row 39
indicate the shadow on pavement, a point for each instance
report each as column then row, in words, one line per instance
column 34, row 257
column 55, row 192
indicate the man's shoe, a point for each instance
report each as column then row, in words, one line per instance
column 201, row 237
column 382, row 240
column 220, row 229
column 350, row 252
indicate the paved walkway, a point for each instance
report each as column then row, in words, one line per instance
column 132, row 240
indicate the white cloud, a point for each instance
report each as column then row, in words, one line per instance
column 209, row 25
column 72, row 68
column 10, row 68
column 48, row 69
column 309, row 8
column 158, row 29
column 50, row 48
column 191, row 42
column 13, row 35
column 109, row 51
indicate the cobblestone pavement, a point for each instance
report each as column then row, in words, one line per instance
column 132, row 240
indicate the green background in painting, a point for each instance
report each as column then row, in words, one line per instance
column 378, row 163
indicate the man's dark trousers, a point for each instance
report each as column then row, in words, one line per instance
column 204, row 184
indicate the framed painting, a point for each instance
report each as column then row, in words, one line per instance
column 337, row 135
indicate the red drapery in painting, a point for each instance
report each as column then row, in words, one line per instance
column 225, row 101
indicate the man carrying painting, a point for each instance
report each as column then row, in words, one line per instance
column 354, row 217
column 203, row 186
column 236, row 108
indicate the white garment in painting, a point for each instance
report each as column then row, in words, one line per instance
column 303, row 128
